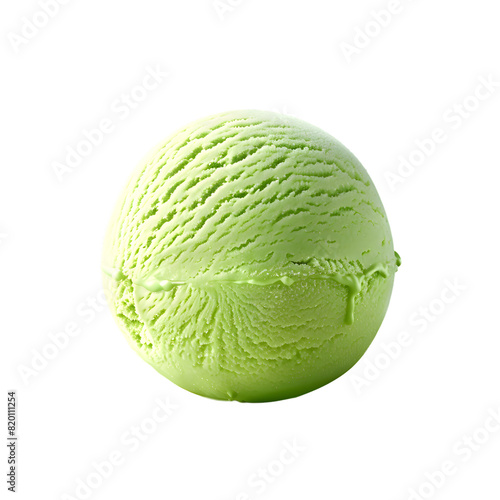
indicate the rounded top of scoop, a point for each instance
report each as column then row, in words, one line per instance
column 248, row 195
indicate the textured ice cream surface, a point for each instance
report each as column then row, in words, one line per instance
column 250, row 258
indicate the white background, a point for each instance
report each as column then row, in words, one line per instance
column 380, row 429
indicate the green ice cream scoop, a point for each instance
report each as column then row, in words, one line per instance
column 250, row 258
